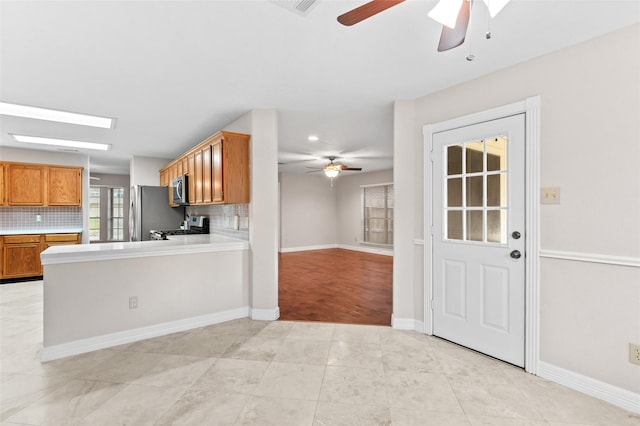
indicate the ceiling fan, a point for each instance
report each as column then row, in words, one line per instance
column 333, row 169
column 452, row 14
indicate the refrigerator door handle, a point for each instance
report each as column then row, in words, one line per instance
column 132, row 215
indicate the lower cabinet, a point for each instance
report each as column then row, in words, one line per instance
column 20, row 254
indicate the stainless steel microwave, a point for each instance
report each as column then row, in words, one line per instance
column 180, row 190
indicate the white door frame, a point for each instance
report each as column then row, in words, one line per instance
column 531, row 108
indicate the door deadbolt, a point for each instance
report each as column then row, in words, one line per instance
column 516, row 254
column 516, row 235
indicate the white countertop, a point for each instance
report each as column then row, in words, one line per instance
column 41, row 231
column 176, row 244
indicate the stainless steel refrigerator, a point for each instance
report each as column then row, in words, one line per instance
column 150, row 210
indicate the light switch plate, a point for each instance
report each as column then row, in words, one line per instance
column 550, row 195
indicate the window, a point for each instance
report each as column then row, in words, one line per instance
column 116, row 216
column 378, row 214
column 94, row 214
column 106, row 213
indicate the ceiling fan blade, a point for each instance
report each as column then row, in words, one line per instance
column 314, row 171
column 454, row 37
column 316, row 168
column 356, row 169
column 365, row 11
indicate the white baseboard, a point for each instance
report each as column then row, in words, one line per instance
column 307, row 248
column 81, row 346
column 604, row 391
column 407, row 324
column 265, row 314
column 367, row 249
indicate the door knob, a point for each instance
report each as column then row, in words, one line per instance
column 516, row 254
column 516, row 235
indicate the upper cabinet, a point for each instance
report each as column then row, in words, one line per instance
column 217, row 170
column 40, row 185
column 24, row 185
column 64, row 186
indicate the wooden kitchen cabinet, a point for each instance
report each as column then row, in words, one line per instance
column 191, row 172
column 24, row 184
column 2, row 199
column 60, row 240
column 64, row 186
column 236, row 174
column 206, row 174
column 20, row 254
column 197, row 177
column 216, row 172
column 164, row 177
column 218, row 169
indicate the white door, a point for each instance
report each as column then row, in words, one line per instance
column 478, row 237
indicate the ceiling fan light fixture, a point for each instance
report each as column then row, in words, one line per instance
column 446, row 12
column 495, row 6
column 332, row 170
column 313, row 138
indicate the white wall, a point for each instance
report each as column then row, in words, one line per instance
column 60, row 159
column 315, row 215
column 146, row 170
column 308, row 212
column 590, row 104
column 349, row 207
column 262, row 125
column 88, row 300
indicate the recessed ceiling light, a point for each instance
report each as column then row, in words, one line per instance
column 313, row 138
column 62, row 142
column 53, row 115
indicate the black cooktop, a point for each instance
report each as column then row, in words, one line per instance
column 162, row 235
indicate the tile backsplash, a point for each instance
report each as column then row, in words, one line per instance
column 25, row 218
column 222, row 219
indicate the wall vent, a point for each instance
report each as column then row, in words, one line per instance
column 301, row 7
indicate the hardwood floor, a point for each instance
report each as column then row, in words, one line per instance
column 335, row 285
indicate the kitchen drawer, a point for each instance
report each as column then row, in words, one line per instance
column 61, row 238
column 16, row 239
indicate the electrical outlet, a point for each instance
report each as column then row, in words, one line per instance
column 38, row 218
column 133, row 302
column 634, row 354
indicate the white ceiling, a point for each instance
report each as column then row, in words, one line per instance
column 174, row 72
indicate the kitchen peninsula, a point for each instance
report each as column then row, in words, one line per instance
column 102, row 295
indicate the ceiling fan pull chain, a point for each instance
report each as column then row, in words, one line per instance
column 487, row 35
column 470, row 56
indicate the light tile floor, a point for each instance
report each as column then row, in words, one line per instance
column 247, row 372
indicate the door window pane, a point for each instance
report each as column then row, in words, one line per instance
column 454, row 192
column 454, row 160
column 476, row 191
column 497, row 153
column 497, row 190
column 497, row 226
column 454, row 225
column 94, row 214
column 474, row 225
column 116, row 219
column 475, row 155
